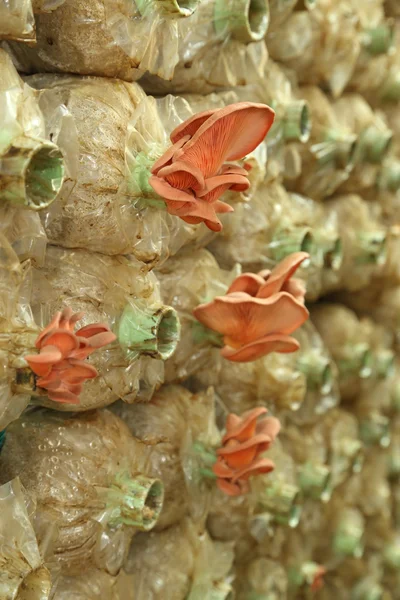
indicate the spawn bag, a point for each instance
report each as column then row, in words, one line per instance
column 31, row 168
column 379, row 303
column 179, row 563
column 107, row 204
column 328, row 157
column 18, row 331
column 186, row 281
column 25, row 233
column 273, row 380
column 174, row 423
column 374, row 139
column 262, row 577
column 292, row 120
column 351, row 342
column 119, row 292
column 108, row 39
column 375, row 76
column 276, row 223
column 221, row 47
column 258, row 521
column 365, row 243
column 23, row 574
column 17, row 21
column 315, row 362
column 86, row 473
column 321, row 45
column 94, row 584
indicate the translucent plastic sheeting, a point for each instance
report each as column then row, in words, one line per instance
column 118, row 292
column 87, row 474
column 180, row 562
column 177, row 422
column 31, row 168
column 111, row 134
column 22, row 572
column 126, row 39
column 17, row 21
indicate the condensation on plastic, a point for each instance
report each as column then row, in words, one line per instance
column 111, row 134
column 187, row 280
column 31, row 168
column 172, row 423
column 321, row 45
column 212, row 53
column 327, row 159
column 273, row 381
column 107, row 39
column 72, row 466
column 275, row 223
column 102, row 287
column 18, row 330
column 17, row 21
column 23, row 574
column 178, row 563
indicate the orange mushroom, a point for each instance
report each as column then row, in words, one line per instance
column 60, row 363
column 194, row 172
column 258, row 312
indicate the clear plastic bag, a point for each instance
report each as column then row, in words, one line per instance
column 178, row 425
column 321, row 45
column 106, row 204
column 365, row 242
column 374, row 139
column 109, row 39
column 276, row 223
column 94, row 584
column 186, row 281
column 31, row 168
column 179, row 563
column 220, row 46
column 261, row 576
column 23, row 573
column 17, row 330
column 116, row 291
column 361, row 350
column 17, row 21
column 327, row 159
column 87, row 475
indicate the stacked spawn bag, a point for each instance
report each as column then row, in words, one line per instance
column 89, row 477
column 32, row 173
column 323, row 522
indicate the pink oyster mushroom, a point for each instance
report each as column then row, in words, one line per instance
column 258, row 312
column 61, row 364
column 239, row 458
column 194, row 172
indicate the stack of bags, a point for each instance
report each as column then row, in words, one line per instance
column 199, row 293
